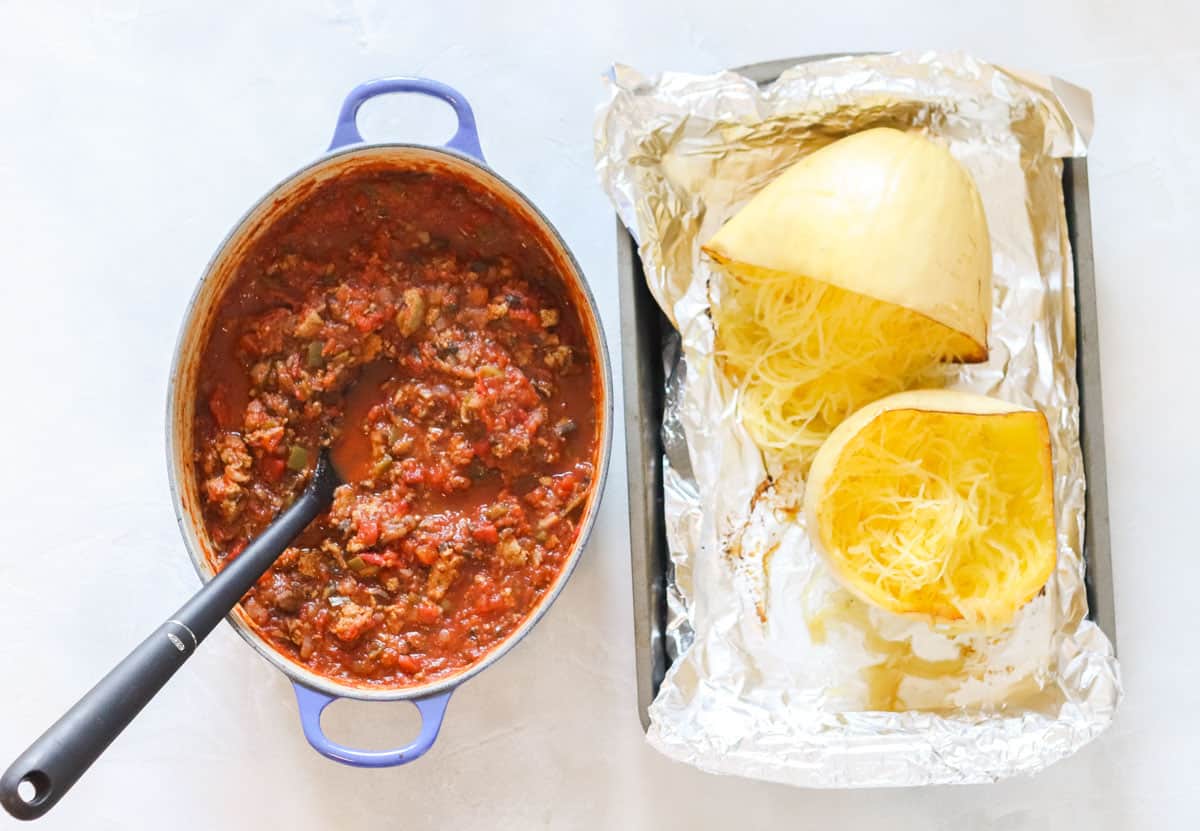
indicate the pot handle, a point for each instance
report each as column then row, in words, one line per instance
column 313, row 703
column 466, row 140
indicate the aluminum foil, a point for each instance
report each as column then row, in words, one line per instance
column 777, row 673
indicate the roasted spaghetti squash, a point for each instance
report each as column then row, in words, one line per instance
column 852, row 275
column 937, row 503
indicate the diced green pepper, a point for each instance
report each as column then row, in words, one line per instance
column 314, row 354
column 361, row 567
column 297, row 457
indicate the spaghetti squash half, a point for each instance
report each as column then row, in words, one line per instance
column 852, row 275
column 937, row 503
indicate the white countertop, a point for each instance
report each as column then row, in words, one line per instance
column 134, row 134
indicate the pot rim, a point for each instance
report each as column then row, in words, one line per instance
column 193, row 317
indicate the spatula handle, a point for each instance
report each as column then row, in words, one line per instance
column 41, row 775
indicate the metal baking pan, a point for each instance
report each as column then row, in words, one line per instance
column 643, row 331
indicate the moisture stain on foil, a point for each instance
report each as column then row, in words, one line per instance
column 896, row 659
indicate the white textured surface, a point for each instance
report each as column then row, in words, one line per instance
column 132, row 136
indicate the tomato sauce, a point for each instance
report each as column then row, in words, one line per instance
column 420, row 327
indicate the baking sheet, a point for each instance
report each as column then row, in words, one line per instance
column 658, row 608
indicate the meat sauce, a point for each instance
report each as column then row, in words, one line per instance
column 422, row 327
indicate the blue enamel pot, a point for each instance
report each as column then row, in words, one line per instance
column 460, row 157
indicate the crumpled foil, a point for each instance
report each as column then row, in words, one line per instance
column 777, row 672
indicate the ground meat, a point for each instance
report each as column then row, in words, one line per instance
column 559, row 357
column 233, row 454
column 350, row 621
column 442, row 576
column 224, row 496
column 309, row 563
